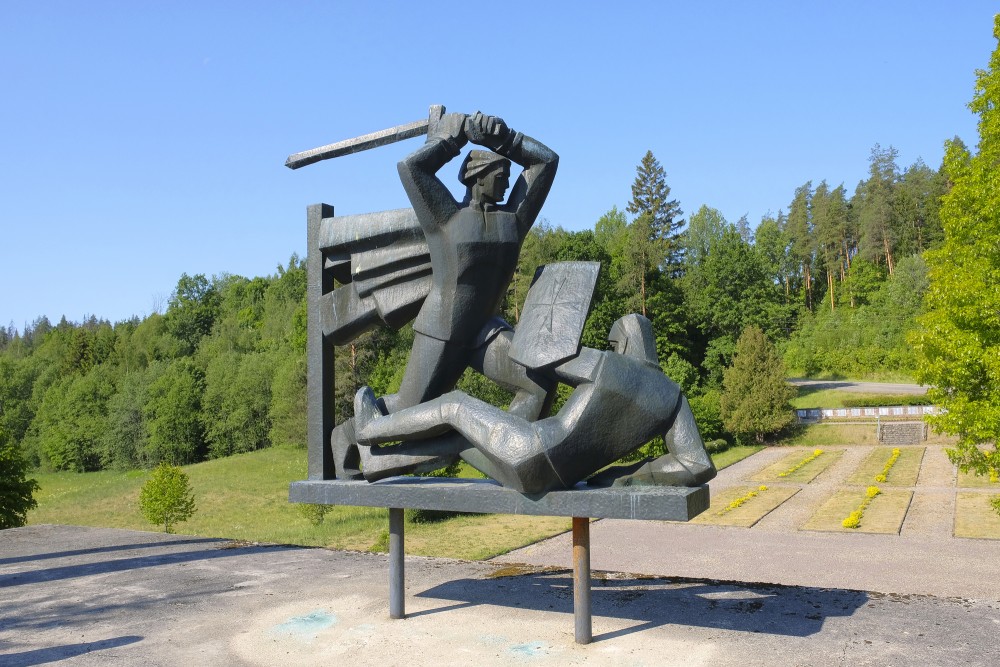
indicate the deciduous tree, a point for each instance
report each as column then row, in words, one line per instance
column 959, row 343
column 173, row 415
column 16, row 489
column 166, row 499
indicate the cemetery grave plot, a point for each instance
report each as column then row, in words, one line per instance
column 903, row 471
column 884, row 514
column 744, row 506
column 975, row 516
column 800, row 466
column 969, row 480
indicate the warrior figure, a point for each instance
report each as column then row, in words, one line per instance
column 473, row 247
column 621, row 400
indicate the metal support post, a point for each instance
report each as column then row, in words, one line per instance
column 581, row 580
column 397, row 575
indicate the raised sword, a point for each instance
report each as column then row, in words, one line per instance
column 367, row 141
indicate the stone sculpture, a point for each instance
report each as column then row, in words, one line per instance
column 473, row 246
column 621, row 401
column 446, row 266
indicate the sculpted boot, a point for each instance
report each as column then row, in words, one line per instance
column 346, row 460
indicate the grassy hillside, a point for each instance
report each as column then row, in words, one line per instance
column 245, row 497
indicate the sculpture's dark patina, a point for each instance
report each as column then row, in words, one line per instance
column 446, row 265
column 621, row 401
column 472, row 247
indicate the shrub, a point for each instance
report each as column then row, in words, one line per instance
column 16, row 489
column 737, row 503
column 166, row 497
column 882, row 476
column 807, row 460
column 717, row 446
column 314, row 513
column 707, row 411
column 880, row 401
column 853, row 519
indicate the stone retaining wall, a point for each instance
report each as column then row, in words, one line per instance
column 902, row 433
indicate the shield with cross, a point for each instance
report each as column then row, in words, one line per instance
column 554, row 313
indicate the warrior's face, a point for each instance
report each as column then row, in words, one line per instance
column 494, row 184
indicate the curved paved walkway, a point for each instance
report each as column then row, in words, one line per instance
column 923, row 559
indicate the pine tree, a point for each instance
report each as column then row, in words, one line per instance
column 650, row 195
column 755, row 395
column 800, row 234
column 878, row 207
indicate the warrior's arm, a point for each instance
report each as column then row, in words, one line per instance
column 432, row 201
column 581, row 369
column 532, row 186
column 538, row 160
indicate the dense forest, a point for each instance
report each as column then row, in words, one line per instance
column 835, row 280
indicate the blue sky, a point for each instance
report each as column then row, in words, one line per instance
column 143, row 140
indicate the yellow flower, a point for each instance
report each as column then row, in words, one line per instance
column 762, row 488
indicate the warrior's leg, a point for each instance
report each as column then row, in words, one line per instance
column 684, row 441
column 425, row 420
column 533, row 393
column 508, row 442
column 433, row 369
column 410, row 457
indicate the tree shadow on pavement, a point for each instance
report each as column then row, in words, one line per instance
column 773, row 609
column 57, row 611
column 97, row 550
column 43, row 656
column 108, row 566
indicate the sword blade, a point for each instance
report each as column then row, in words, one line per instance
column 366, row 141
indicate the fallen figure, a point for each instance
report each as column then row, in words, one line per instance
column 621, row 400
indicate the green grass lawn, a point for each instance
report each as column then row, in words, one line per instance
column 975, row 516
column 782, row 470
column 245, row 497
column 824, row 435
column 903, row 472
column 810, row 397
column 884, row 515
column 970, row 480
column 734, row 455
